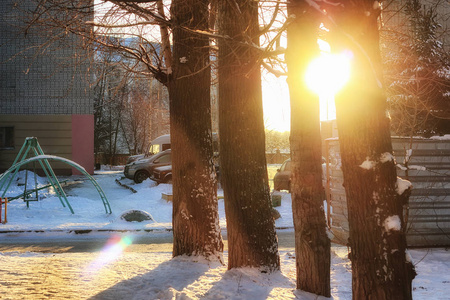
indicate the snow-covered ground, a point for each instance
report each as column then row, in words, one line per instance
column 50, row 215
column 116, row 273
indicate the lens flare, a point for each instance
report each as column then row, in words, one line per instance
column 112, row 250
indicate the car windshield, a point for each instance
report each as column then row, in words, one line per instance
column 153, row 150
column 157, row 148
column 163, row 159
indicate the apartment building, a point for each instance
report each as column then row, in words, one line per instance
column 44, row 90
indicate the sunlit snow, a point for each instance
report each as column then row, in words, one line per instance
column 116, row 273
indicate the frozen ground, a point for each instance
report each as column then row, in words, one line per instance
column 116, row 273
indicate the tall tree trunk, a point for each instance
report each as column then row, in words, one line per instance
column 380, row 269
column 250, row 227
column 195, row 207
column 312, row 245
column 165, row 41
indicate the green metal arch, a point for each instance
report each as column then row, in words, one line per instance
column 45, row 158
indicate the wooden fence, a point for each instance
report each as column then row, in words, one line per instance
column 426, row 164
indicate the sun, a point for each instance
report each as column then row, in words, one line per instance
column 328, row 73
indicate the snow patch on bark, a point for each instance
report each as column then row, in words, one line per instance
column 402, row 185
column 386, row 157
column 392, row 223
column 408, row 256
column 376, row 198
column 368, row 164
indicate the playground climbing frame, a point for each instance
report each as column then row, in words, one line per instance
column 32, row 144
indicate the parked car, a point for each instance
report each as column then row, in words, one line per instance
column 141, row 169
column 282, row 179
column 163, row 143
column 158, row 145
column 162, row 174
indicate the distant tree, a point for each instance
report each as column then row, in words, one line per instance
column 312, row 245
column 110, row 95
column 101, row 110
column 129, row 109
column 417, row 69
column 146, row 114
column 251, row 233
column 375, row 200
column 276, row 140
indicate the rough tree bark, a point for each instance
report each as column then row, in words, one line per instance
column 195, row 209
column 251, row 233
column 380, row 268
column 312, row 245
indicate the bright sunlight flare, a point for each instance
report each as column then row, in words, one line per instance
column 325, row 76
column 328, row 73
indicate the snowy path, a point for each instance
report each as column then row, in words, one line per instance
column 116, row 273
column 135, row 276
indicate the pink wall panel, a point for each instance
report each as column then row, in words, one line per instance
column 83, row 142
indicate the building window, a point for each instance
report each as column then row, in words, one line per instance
column 7, row 137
